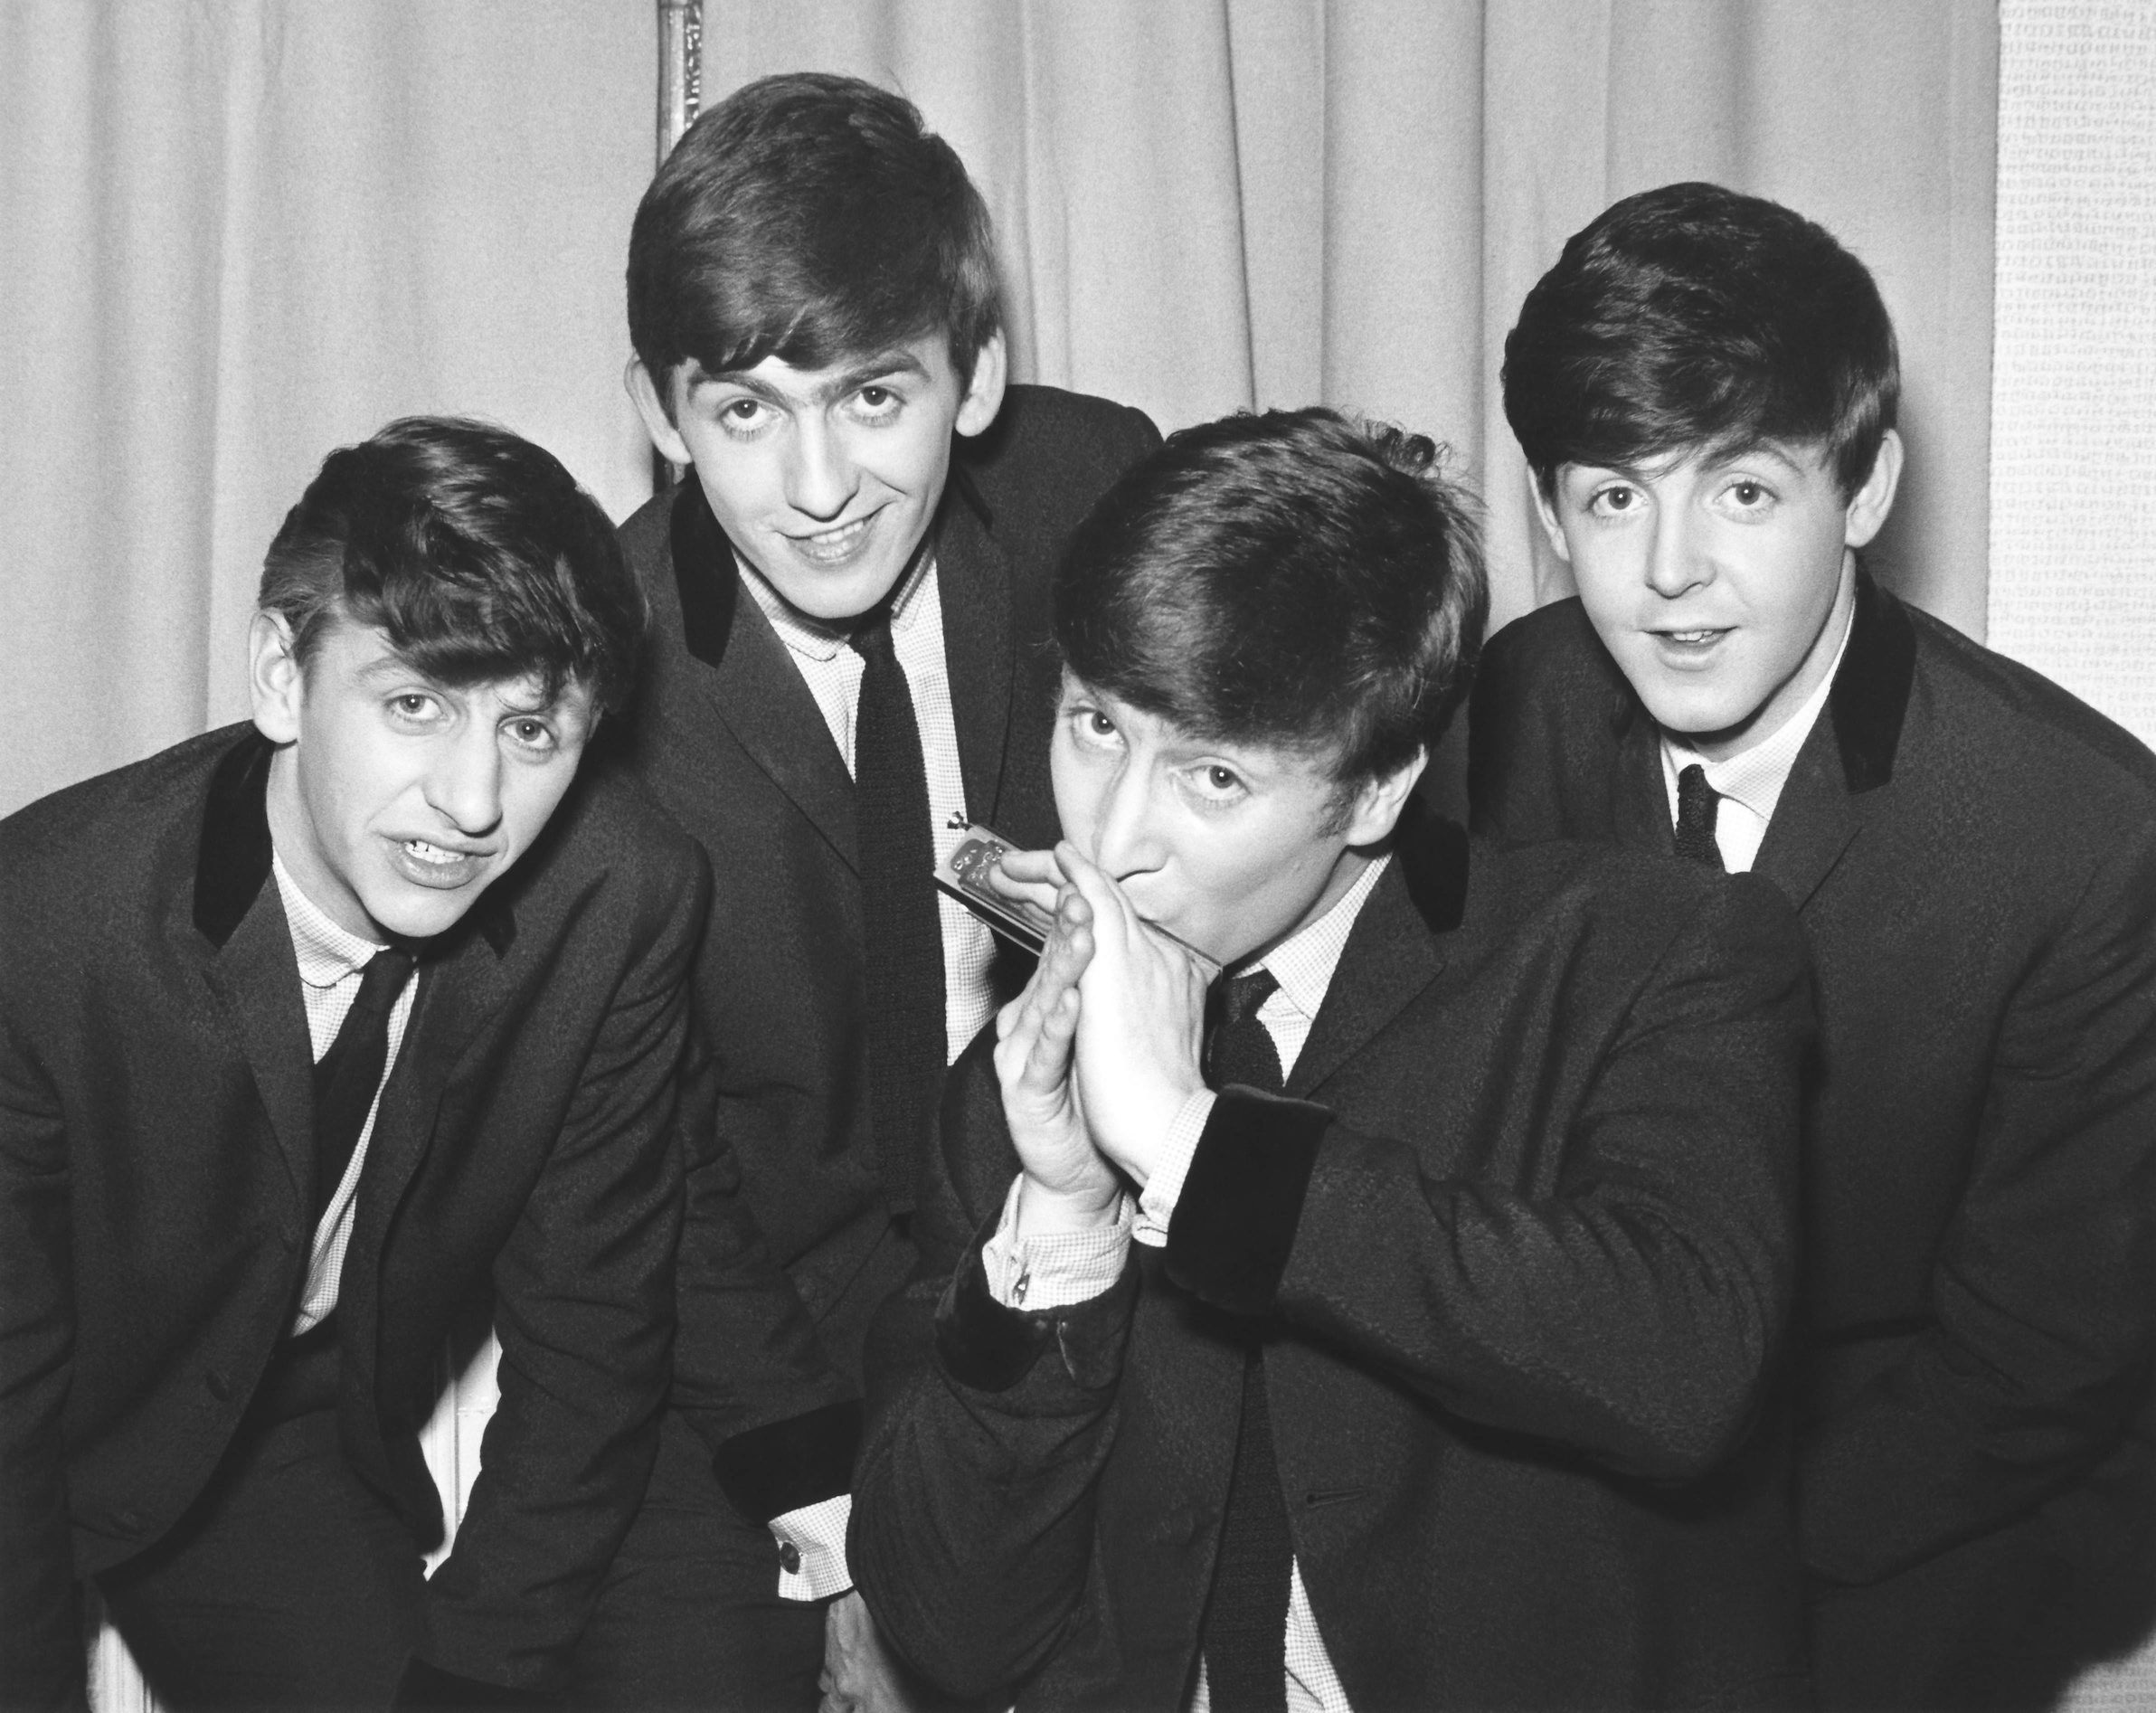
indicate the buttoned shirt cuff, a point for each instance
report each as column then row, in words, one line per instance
column 1164, row 1188
column 812, row 1549
column 1052, row 1269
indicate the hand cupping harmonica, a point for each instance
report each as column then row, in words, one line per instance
column 964, row 874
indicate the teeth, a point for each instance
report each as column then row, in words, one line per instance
column 1690, row 635
column 834, row 541
column 428, row 853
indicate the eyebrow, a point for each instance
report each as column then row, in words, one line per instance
column 884, row 363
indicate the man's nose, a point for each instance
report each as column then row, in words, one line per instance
column 820, row 476
column 465, row 784
column 1125, row 840
column 1676, row 559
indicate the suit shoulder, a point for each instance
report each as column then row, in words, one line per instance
column 83, row 829
column 644, row 532
column 1553, row 644
column 617, row 823
column 1054, row 450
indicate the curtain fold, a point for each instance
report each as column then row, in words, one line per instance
column 236, row 233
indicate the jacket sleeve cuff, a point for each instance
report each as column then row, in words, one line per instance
column 982, row 1343
column 989, row 1346
column 786, row 1465
column 1234, row 1222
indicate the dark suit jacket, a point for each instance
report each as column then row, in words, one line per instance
column 1525, row 1231
column 728, row 737
column 1973, row 856
column 157, row 1171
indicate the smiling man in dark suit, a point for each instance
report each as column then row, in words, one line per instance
column 849, row 599
column 309, row 1030
column 1408, row 1342
column 1704, row 387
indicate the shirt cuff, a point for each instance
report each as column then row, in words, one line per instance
column 812, row 1549
column 1164, row 1188
column 1053, row 1269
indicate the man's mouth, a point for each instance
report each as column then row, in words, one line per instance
column 1698, row 639
column 833, row 546
column 427, row 864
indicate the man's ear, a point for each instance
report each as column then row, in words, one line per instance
column 1870, row 503
column 651, row 405
column 1545, row 509
column 1378, row 801
column 275, row 681
column 984, row 391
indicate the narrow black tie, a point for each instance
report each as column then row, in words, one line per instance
column 906, row 1026
column 1697, row 802
column 1246, row 1622
column 348, row 1077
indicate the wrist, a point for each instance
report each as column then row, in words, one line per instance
column 1043, row 1207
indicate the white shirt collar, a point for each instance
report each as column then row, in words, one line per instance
column 819, row 641
column 1303, row 963
column 327, row 953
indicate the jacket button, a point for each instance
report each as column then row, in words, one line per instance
column 220, row 1383
column 130, row 1521
column 790, row 1559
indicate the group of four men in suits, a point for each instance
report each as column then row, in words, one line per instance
column 1355, row 1264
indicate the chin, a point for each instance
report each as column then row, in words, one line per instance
column 424, row 917
column 1695, row 715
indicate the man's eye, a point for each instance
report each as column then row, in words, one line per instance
column 532, row 734
column 1100, row 725
column 1223, row 779
column 1747, row 493
column 1616, row 499
column 413, row 706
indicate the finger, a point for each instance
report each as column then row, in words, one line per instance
column 1052, row 1041
column 1028, row 868
column 1105, row 906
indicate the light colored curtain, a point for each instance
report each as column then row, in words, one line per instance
column 235, row 233
column 1210, row 205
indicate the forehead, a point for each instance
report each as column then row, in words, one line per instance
column 363, row 656
column 927, row 357
column 1269, row 758
column 1805, row 459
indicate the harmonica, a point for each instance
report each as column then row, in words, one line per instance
column 964, row 874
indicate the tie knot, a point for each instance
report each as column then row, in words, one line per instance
column 1241, row 996
column 871, row 638
column 382, row 977
column 1696, row 803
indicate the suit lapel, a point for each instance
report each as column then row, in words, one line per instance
column 750, row 680
column 1848, row 754
column 461, row 987
column 252, row 968
column 1395, row 950
column 974, row 582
